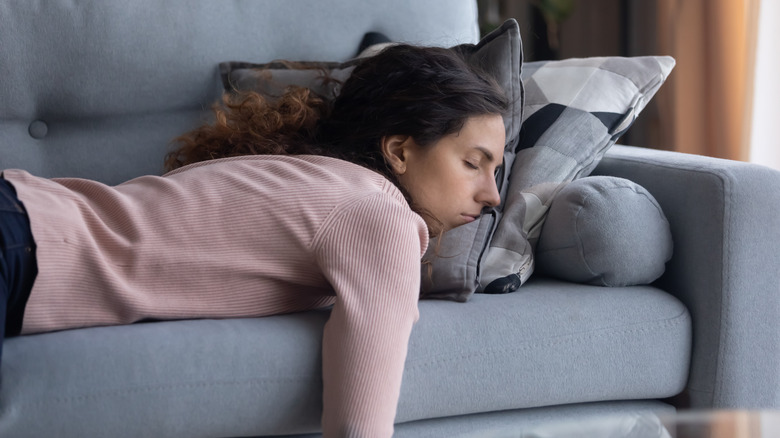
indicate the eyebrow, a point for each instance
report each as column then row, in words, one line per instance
column 487, row 153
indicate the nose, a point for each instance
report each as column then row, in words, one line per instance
column 489, row 195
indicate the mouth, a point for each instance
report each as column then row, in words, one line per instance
column 470, row 217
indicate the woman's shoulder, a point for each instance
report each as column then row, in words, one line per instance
column 303, row 164
column 381, row 218
column 322, row 174
column 347, row 198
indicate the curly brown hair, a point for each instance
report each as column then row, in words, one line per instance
column 423, row 92
column 247, row 123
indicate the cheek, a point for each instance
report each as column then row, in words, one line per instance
column 437, row 184
column 445, row 194
column 426, row 189
column 415, row 185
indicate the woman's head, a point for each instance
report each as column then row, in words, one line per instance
column 406, row 113
column 452, row 180
column 417, row 103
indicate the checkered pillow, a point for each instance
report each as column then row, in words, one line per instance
column 575, row 109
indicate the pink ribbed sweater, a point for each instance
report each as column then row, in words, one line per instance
column 241, row 237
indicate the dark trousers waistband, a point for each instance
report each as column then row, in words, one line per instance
column 18, row 265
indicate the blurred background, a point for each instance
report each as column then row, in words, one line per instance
column 721, row 99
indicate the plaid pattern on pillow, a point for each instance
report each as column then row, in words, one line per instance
column 575, row 109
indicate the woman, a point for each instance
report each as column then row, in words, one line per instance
column 279, row 206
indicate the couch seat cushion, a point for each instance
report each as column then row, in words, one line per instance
column 550, row 343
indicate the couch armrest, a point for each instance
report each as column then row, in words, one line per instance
column 725, row 220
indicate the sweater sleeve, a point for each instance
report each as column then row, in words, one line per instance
column 371, row 255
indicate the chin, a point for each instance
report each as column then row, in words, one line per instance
column 437, row 229
column 443, row 229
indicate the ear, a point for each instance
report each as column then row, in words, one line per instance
column 396, row 149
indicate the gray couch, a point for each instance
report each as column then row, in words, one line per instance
column 98, row 89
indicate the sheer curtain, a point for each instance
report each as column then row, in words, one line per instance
column 764, row 146
column 716, row 102
column 708, row 105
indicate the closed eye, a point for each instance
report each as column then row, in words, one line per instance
column 470, row 165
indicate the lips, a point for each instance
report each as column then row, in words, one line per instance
column 470, row 217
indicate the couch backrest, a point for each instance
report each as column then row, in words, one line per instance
column 97, row 89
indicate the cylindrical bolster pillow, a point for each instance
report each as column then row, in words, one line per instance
column 605, row 231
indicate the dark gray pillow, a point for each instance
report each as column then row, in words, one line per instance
column 456, row 260
column 605, row 231
column 273, row 78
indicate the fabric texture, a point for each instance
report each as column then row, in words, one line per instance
column 262, row 376
column 725, row 218
column 624, row 419
column 454, row 263
column 575, row 109
column 137, row 74
column 605, row 231
column 216, row 240
column 551, row 344
column 111, row 112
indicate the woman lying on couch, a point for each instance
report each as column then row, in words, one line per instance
column 282, row 205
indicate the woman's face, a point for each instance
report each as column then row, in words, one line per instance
column 454, row 178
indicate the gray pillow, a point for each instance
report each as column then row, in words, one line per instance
column 605, row 231
column 451, row 268
column 575, row 109
column 273, row 78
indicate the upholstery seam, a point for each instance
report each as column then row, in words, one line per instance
column 154, row 388
column 725, row 183
column 581, row 243
column 563, row 340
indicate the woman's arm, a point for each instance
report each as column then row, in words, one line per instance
column 371, row 255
